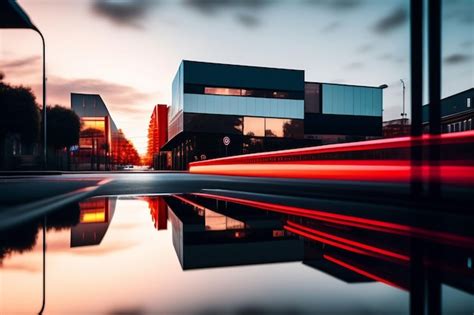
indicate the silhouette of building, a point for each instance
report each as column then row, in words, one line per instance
column 157, row 137
column 222, row 110
column 457, row 112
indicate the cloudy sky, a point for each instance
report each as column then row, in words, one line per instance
column 128, row 51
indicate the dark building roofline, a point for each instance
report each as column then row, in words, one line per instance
column 454, row 95
column 239, row 65
column 114, row 125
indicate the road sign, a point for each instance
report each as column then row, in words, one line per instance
column 226, row 140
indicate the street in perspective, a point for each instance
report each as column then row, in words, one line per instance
column 237, row 157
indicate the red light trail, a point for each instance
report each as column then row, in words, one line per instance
column 306, row 165
column 362, row 272
column 348, row 220
column 340, row 241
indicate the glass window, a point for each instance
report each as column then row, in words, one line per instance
column 225, row 124
column 221, row 91
column 287, row 128
column 253, row 93
column 274, row 127
column 254, row 126
column 312, row 98
column 96, row 124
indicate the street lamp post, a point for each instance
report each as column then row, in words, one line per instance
column 45, row 143
column 403, row 106
column 12, row 16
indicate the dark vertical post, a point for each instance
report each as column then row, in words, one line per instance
column 43, row 304
column 45, row 143
column 417, row 281
column 416, row 56
column 434, row 73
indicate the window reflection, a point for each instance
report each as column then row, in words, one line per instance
column 275, row 127
column 254, row 126
column 213, row 123
column 221, row 91
column 199, row 89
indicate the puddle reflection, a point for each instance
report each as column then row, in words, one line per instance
column 298, row 259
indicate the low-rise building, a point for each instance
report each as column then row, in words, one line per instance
column 220, row 110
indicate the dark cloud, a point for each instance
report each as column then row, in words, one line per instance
column 125, row 12
column 18, row 63
column 214, row 6
column 337, row 4
column 248, row 20
column 394, row 20
column 246, row 10
column 455, row 59
column 331, row 27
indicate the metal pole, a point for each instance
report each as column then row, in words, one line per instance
column 434, row 71
column 416, row 52
column 417, row 288
column 403, row 101
column 43, row 304
column 45, row 143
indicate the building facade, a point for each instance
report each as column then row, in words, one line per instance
column 457, row 112
column 157, row 137
column 396, row 128
column 222, row 110
column 102, row 146
column 342, row 113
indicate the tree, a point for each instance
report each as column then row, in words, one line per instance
column 63, row 128
column 19, row 114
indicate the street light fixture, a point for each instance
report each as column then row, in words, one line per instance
column 13, row 16
column 403, row 108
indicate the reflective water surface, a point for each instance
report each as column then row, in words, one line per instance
column 166, row 254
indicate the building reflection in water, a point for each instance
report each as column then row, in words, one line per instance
column 218, row 230
column 94, row 220
column 227, row 235
column 232, row 229
column 158, row 211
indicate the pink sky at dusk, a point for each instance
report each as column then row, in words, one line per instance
column 129, row 51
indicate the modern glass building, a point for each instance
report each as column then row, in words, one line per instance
column 221, row 110
column 102, row 146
